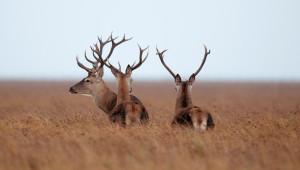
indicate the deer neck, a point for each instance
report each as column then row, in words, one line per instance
column 183, row 99
column 104, row 97
column 123, row 90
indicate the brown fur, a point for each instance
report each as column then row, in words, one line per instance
column 123, row 90
column 105, row 99
column 183, row 116
column 185, row 113
column 184, row 99
column 118, row 114
column 184, row 108
column 125, row 106
column 112, row 101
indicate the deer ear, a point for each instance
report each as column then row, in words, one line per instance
column 114, row 72
column 100, row 72
column 128, row 70
column 177, row 78
column 192, row 78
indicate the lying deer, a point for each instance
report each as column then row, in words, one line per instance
column 93, row 85
column 126, row 112
column 185, row 112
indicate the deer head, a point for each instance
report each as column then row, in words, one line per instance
column 119, row 75
column 182, row 86
column 90, row 85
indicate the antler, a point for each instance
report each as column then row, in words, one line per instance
column 161, row 57
column 203, row 61
column 113, row 46
column 135, row 66
column 94, row 63
column 82, row 66
column 92, row 70
column 102, row 44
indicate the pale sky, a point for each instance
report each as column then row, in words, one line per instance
column 249, row 40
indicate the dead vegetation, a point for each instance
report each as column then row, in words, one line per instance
column 43, row 127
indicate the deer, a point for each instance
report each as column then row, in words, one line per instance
column 93, row 85
column 186, row 114
column 126, row 112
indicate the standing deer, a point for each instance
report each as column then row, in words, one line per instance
column 126, row 112
column 185, row 112
column 93, row 85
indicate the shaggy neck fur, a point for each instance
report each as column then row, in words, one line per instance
column 183, row 97
column 123, row 90
column 104, row 97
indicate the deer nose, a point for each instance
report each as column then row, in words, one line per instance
column 71, row 90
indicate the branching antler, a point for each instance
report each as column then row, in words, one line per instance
column 141, row 61
column 91, row 71
column 161, row 57
column 82, row 66
column 102, row 44
column 203, row 61
column 95, row 64
column 99, row 50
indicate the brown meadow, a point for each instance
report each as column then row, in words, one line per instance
column 42, row 126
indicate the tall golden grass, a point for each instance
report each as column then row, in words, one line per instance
column 44, row 127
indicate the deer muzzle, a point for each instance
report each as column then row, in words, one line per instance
column 73, row 90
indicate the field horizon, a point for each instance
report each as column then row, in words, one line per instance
column 42, row 126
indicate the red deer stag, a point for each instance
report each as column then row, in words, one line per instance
column 126, row 112
column 185, row 112
column 93, row 85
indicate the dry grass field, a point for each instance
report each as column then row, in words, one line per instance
column 42, row 126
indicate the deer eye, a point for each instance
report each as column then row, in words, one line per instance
column 87, row 80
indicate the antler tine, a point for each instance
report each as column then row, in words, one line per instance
column 112, row 67
column 113, row 46
column 94, row 52
column 133, row 64
column 97, row 68
column 119, row 66
column 103, row 62
column 120, row 42
column 105, row 42
column 95, row 63
column 82, row 66
column 161, row 57
column 99, row 53
column 203, row 61
column 141, row 60
column 102, row 44
column 91, row 71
